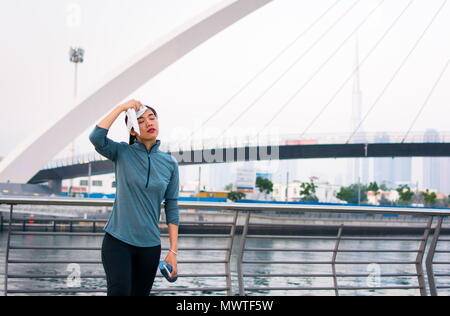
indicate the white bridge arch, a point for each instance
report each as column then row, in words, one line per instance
column 34, row 153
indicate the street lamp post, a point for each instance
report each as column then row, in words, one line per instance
column 76, row 55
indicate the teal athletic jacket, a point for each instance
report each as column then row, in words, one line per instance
column 144, row 178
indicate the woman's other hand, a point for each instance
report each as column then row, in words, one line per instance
column 171, row 259
column 132, row 104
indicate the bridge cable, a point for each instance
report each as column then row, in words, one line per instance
column 344, row 84
column 263, row 70
column 444, row 70
column 251, row 105
column 283, row 107
column 405, row 60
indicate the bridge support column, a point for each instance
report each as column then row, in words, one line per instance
column 55, row 186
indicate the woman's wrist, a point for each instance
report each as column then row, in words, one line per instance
column 173, row 251
column 121, row 108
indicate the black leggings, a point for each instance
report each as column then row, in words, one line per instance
column 130, row 270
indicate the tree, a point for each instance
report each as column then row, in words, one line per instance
column 308, row 192
column 405, row 194
column 264, row 185
column 236, row 196
column 430, row 198
column 229, row 187
column 373, row 186
column 350, row 194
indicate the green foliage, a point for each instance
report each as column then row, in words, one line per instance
column 373, row 186
column 264, row 185
column 308, row 192
column 236, row 196
column 430, row 198
column 350, row 194
column 406, row 195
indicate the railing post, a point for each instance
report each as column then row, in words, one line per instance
column 8, row 242
column 420, row 256
column 430, row 257
column 229, row 252
column 333, row 265
column 241, row 255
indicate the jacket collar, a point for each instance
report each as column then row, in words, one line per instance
column 140, row 146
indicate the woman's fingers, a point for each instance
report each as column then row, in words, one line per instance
column 132, row 104
column 174, row 272
column 137, row 105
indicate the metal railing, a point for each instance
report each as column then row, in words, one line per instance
column 249, row 223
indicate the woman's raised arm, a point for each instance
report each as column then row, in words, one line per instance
column 98, row 137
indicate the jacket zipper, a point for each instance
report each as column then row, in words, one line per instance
column 149, row 165
column 148, row 173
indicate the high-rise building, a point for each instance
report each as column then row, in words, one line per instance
column 391, row 171
column 402, row 171
column 383, row 167
column 358, row 169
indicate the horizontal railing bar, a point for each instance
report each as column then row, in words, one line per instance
column 333, row 238
column 330, row 250
column 203, row 223
column 99, row 262
column 441, row 262
column 336, row 226
column 330, row 288
column 200, row 235
column 383, row 238
column 348, row 288
column 324, row 262
column 42, row 291
column 12, row 261
column 441, row 275
column 442, row 251
column 52, row 248
column 330, row 208
column 102, row 234
column 287, row 250
column 443, row 287
column 199, row 289
column 82, row 220
column 327, row 275
column 57, row 234
column 39, row 291
column 99, row 248
column 290, row 237
column 58, row 219
column 102, row 276
column 56, row 276
column 290, row 288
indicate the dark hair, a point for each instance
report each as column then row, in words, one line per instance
column 133, row 138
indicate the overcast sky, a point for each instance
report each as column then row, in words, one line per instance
column 36, row 79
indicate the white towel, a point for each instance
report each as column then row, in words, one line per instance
column 132, row 119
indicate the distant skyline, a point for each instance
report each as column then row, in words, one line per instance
column 37, row 82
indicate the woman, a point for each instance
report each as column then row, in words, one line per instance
column 145, row 176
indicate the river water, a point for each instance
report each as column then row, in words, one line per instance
column 374, row 272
